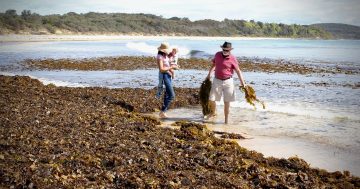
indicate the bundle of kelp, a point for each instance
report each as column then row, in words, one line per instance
column 207, row 107
column 250, row 95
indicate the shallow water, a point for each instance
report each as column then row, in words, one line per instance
column 314, row 116
column 279, row 136
column 339, row 52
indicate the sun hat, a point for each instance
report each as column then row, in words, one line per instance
column 226, row 46
column 164, row 47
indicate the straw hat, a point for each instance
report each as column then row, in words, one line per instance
column 164, row 47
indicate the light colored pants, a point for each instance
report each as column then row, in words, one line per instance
column 222, row 87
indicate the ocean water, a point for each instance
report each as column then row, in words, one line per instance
column 320, row 123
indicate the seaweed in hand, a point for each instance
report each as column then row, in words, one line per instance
column 250, row 96
column 208, row 108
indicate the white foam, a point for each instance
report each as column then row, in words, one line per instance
column 7, row 74
column 297, row 109
column 58, row 83
column 142, row 47
column 151, row 49
column 47, row 81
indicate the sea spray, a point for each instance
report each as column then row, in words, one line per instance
column 207, row 107
column 250, row 95
column 151, row 49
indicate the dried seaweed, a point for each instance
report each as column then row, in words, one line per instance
column 250, row 96
column 207, row 107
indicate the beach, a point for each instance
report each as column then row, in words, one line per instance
column 106, row 87
column 93, row 137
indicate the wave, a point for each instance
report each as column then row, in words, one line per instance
column 47, row 81
column 58, row 83
column 152, row 49
column 199, row 54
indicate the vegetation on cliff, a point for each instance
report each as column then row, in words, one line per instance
column 147, row 24
column 340, row 31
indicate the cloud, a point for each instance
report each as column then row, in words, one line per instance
column 285, row 11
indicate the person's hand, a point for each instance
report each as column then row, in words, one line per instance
column 175, row 67
column 242, row 86
column 208, row 76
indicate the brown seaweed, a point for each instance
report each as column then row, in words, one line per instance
column 143, row 62
column 60, row 137
column 208, row 108
column 250, row 96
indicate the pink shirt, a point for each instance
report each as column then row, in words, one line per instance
column 224, row 66
column 166, row 60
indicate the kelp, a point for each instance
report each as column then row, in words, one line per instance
column 250, row 96
column 207, row 107
column 143, row 62
column 61, row 137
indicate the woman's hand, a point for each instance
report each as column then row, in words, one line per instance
column 175, row 67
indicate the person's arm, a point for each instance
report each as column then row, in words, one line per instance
column 240, row 76
column 211, row 70
column 161, row 66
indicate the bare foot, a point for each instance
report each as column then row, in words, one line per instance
column 163, row 115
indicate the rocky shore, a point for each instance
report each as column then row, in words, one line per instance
column 144, row 62
column 59, row 137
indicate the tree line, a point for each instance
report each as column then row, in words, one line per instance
column 147, row 24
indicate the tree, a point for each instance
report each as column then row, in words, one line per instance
column 11, row 12
column 26, row 14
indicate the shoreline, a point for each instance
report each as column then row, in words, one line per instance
column 44, row 38
column 338, row 159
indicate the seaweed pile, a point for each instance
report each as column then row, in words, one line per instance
column 144, row 62
column 207, row 107
column 227, row 135
column 58, row 137
column 250, row 96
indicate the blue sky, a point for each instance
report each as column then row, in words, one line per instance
column 284, row 11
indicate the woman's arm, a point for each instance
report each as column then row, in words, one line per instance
column 161, row 66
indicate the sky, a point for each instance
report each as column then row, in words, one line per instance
column 278, row 11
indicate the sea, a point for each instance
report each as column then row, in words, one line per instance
column 315, row 116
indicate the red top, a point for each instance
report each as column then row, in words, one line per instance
column 224, row 66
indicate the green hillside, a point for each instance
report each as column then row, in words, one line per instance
column 341, row 31
column 147, row 24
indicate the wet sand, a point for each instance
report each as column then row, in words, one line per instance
column 61, row 137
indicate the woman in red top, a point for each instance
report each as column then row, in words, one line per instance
column 224, row 64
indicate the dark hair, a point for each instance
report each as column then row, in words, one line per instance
column 170, row 54
column 162, row 53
